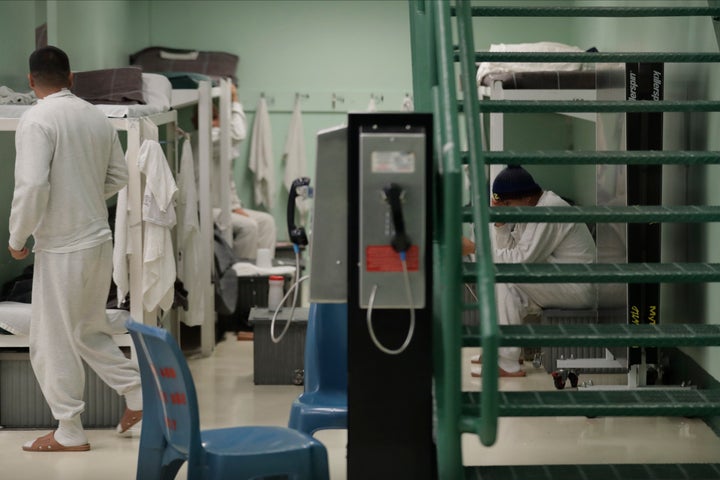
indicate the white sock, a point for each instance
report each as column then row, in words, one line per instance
column 70, row 432
column 133, row 399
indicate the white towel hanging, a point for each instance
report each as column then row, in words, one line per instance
column 294, row 154
column 260, row 161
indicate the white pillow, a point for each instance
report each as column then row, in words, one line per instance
column 193, row 55
column 157, row 90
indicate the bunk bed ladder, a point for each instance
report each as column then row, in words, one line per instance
column 435, row 60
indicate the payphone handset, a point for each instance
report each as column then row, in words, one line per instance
column 392, row 212
column 394, row 195
column 299, row 188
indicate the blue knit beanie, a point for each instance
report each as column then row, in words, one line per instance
column 514, row 182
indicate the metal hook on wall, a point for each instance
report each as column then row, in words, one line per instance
column 301, row 96
column 377, row 98
column 270, row 100
column 336, row 99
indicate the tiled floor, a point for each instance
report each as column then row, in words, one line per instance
column 228, row 397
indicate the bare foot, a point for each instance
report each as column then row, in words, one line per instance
column 477, row 360
column 519, row 373
column 477, row 372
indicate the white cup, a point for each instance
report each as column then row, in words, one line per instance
column 263, row 259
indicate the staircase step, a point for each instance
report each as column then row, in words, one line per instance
column 595, row 57
column 643, row 402
column 605, row 214
column 622, row 471
column 609, row 12
column 569, row 157
column 600, row 335
column 578, row 106
column 599, row 272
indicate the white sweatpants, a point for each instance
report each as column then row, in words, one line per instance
column 252, row 232
column 515, row 301
column 69, row 324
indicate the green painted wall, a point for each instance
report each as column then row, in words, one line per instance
column 98, row 34
column 17, row 33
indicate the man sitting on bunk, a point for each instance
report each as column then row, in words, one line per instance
column 533, row 243
column 252, row 229
column 68, row 162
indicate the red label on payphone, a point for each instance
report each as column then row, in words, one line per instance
column 383, row 258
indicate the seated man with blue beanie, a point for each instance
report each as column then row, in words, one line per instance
column 533, row 243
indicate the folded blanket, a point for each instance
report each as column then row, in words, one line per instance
column 111, row 86
column 164, row 59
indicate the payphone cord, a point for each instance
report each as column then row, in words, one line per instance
column 298, row 237
column 411, row 328
column 294, row 288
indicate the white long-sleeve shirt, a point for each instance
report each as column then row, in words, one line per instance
column 68, row 162
column 238, row 133
column 544, row 242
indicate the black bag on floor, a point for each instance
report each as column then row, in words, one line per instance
column 224, row 278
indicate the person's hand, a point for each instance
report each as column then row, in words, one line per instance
column 18, row 254
column 240, row 211
column 468, row 247
column 498, row 203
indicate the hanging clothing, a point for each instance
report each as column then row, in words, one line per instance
column 121, row 248
column 189, row 247
column 372, row 105
column 294, row 154
column 158, row 210
column 261, row 158
column 127, row 223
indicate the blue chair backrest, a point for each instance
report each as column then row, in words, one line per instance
column 171, row 399
column 326, row 357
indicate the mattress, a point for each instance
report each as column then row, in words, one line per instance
column 157, row 92
column 15, row 318
column 577, row 80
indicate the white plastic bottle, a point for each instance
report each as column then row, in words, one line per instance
column 276, row 285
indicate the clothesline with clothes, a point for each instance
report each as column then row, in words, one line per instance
column 326, row 102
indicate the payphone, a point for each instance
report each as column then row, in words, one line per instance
column 389, row 192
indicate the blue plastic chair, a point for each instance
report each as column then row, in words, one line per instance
column 171, row 432
column 323, row 404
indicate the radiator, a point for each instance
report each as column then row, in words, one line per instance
column 22, row 404
column 569, row 317
column 553, row 317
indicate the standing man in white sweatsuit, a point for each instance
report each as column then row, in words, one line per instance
column 68, row 163
column 534, row 243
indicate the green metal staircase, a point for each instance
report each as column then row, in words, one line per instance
column 437, row 62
